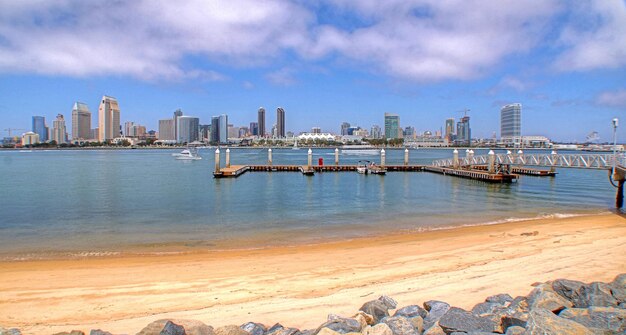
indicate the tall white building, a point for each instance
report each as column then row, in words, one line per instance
column 511, row 124
column 59, row 132
column 186, row 128
column 108, row 119
column 81, row 121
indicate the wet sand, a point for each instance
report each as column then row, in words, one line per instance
column 299, row 285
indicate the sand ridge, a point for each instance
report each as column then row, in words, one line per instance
column 299, row 285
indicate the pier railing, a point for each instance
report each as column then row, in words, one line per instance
column 583, row 161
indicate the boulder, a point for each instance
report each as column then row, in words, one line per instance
column 544, row 297
column 379, row 329
column 515, row 330
column 99, row 332
column 341, row 326
column 501, row 299
column 458, row 320
column 285, row 331
column 611, row 319
column 230, row 330
column 400, row 325
column 544, row 322
column 411, row 311
column 517, row 319
column 436, row 309
column 597, row 294
column 568, row 289
column 275, row 327
column 618, row 288
column 192, row 327
column 73, row 332
column 253, row 328
column 388, row 301
column 326, row 331
column 364, row 319
column 487, row 308
column 377, row 309
column 418, row 323
column 171, row 328
column 307, row 332
column 10, row 331
column 434, row 330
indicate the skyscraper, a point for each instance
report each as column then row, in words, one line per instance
column 108, row 119
column 223, row 128
column 261, row 122
column 280, row 122
column 344, row 128
column 450, row 129
column 464, row 132
column 187, row 128
column 166, row 130
column 375, row 132
column 81, row 121
column 39, row 127
column 392, row 125
column 59, row 132
column 215, row 130
column 511, row 124
column 254, row 128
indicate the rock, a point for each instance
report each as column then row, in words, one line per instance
column 192, row 327
column 411, row 311
column 418, row 323
column 517, row 319
column 515, row 330
column 543, row 297
column 364, row 319
column 618, row 288
column 275, row 327
column 619, row 281
column 486, row 308
column 434, row 330
column 458, row 320
column 376, row 308
column 285, row 331
column 73, row 332
column 379, row 329
column 327, row 331
column 612, row 319
column 436, row 309
column 99, row 332
column 10, row 331
column 341, row 326
column 172, row 329
column 230, row 330
column 597, row 294
column 307, row 332
column 568, row 289
column 388, row 301
column 253, row 328
column 400, row 325
column 501, row 299
column 543, row 322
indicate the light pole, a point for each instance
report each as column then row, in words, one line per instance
column 615, row 124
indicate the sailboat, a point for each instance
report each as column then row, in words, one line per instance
column 295, row 145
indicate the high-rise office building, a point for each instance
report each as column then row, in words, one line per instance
column 392, row 125
column 223, row 129
column 450, row 129
column 215, row 130
column 186, row 128
column 204, row 132
column 344, row 128
column 409, row 132
column 511, row 124
column 40, row 128
column 280, row 122
column 376, row 132
column 261, row 122
column 254, row 128
column 166, row 130
column 59, row 132
column 463, row 132
column 177, row 113
column 81, row 121
column 108, row 119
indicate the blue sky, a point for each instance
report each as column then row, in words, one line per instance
column 324, row 61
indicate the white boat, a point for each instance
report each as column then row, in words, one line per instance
column 188, row 154
column 295, row 146
column 359, row 149
column 362, row 167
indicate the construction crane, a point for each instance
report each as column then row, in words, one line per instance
column 464, row 111
column 9, row 130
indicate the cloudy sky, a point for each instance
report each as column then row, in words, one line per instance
column 324, row 61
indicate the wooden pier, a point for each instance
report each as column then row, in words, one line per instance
column 522, row 170
column 474, row 174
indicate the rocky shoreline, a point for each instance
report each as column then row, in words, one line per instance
column 556, row 307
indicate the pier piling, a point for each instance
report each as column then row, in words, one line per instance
column 227, row 157
column 269, row 156
column 382, row 157
column 310, row 158
column 619, row 200
column 406, row 156
column 492, row 162
column 455, row 159
column 217, row 160
column 336, row 156
column 554, row 158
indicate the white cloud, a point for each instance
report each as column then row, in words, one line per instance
column 282, row 77
column 616, row 99
column 595, row 37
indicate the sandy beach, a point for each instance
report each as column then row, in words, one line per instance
column 299, row 285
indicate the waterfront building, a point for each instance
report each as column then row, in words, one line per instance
column 215, row 130
column 450, row 129
column 29, row 138
column 344, row 128
column 316, row 130
column 127, row 126
column 254, row 128
column 243, row 132
column 108, row 119
column 81, row 121
column 233, row 132
column 409, row 132
column 39, row 127
column 463, row 132
column 93, row 134
column 136, row 131
column 392, row 126
column 376, row 132
column 223, row 129
column 59, row 132
column 166, row 130
column 204, row 132
column 261, row 122
column 511, row 124
column 186, row 128
column 362, row 133
column 280, row 122
column 304, row 137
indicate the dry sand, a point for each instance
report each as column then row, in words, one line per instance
column 298, row 286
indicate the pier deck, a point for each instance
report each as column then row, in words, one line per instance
column 522, row 170
column 474, row 174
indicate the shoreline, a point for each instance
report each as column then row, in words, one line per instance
column 299, row 285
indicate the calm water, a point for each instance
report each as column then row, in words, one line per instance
column 77, row 202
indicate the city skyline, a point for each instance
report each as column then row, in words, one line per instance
column 323, row 63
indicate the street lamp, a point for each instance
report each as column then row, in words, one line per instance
column 615, row 124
